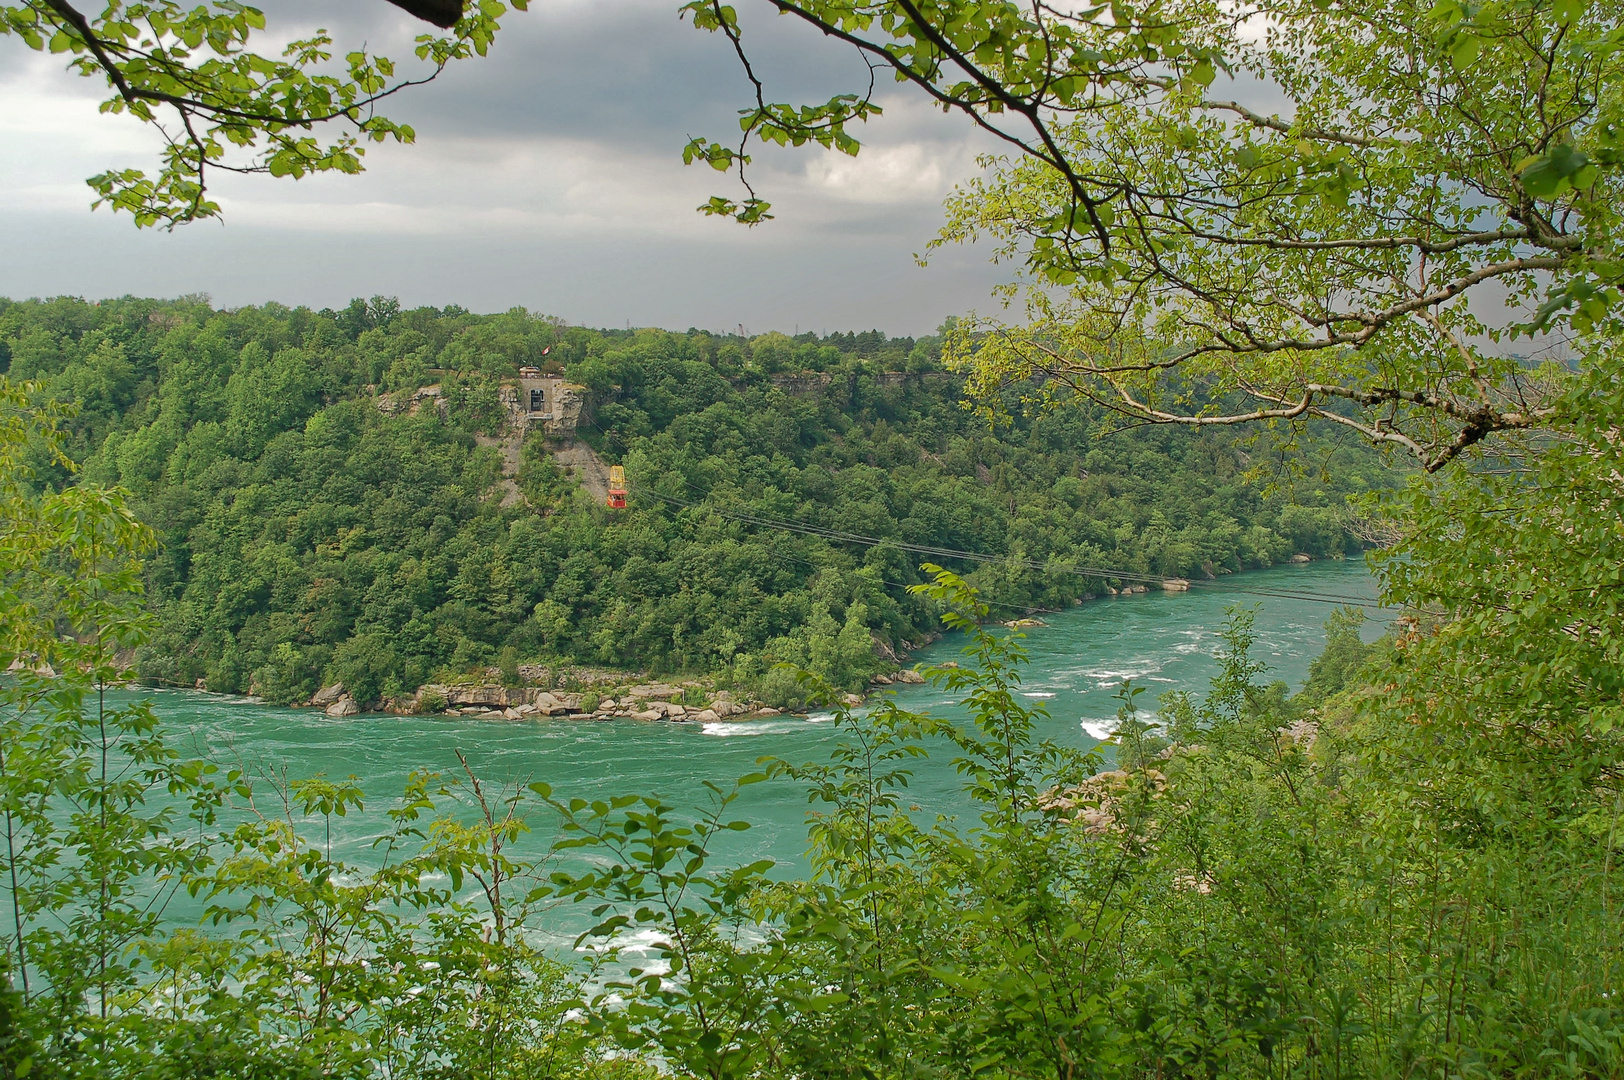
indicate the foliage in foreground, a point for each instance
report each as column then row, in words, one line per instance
column 195, row 69
column 1408, row 870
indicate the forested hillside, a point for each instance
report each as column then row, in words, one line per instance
column 309, row 535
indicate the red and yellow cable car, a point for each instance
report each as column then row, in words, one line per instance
column 617, row 487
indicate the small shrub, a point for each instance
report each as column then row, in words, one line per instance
column 782, row 689
column 508, row 666
column 590, row 702
column 289, row 676
column 431, row 701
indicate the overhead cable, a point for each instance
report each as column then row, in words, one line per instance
column 1102, row 573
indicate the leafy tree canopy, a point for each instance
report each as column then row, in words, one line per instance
column 1351, row 240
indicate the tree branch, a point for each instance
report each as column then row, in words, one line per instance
column 99, row 48
column 1048, row 152
column 1477, row 421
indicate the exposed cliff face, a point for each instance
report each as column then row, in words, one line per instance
column 808, row 385
column 554, row 407
column 585, row 466
column 412, row 402
column 510, row 446
column 534, row 402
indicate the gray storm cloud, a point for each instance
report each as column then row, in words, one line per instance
column 546, row 175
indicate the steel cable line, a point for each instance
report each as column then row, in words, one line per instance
column 807, row 529
column 905, row 586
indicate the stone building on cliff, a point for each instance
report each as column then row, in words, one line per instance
column 547, row 403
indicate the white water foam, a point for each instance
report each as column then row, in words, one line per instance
column 726, row 730
column 1103, row 729
column 645, row 941
column 1137, row 671
column 1100, row 729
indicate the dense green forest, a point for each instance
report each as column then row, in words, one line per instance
column 308, row 536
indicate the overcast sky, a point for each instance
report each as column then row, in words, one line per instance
column 547, row 175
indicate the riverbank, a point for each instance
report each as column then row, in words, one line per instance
column 533, row 691
column 1161, row 641
column 602, row 698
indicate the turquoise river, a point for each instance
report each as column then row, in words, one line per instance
column 1161, row 641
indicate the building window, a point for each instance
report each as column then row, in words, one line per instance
column 537, row 401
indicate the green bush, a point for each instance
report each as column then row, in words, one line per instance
column 287, row 677
column 782, row 688
column 508, row 665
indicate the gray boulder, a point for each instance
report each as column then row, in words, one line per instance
column 327, row 695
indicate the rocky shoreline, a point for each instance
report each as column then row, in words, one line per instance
column 604, row 695
column 684, row 702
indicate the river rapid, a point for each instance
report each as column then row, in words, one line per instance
column 1161, row 641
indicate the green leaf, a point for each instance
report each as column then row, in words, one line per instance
column 1464, row 50
column 1554, row 173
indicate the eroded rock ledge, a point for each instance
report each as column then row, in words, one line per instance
column 686, row 701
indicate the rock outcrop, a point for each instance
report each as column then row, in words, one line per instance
column 654, row 692
column 327, row 695
column 653, row 701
